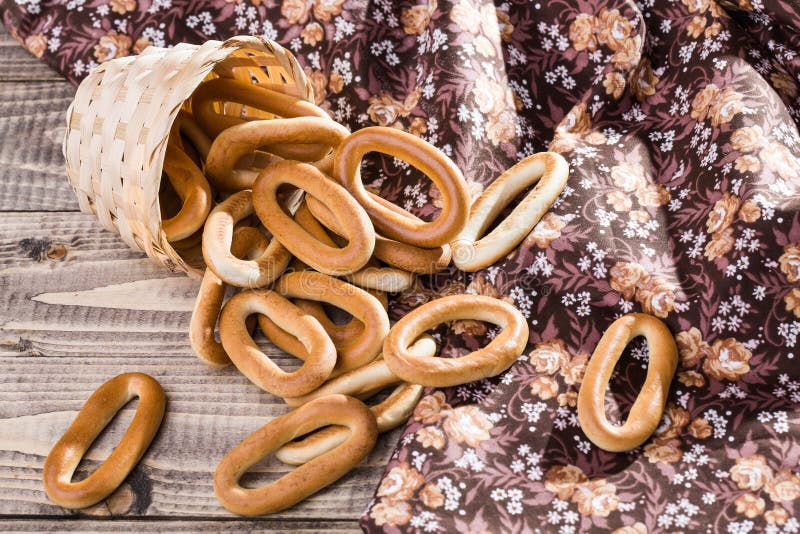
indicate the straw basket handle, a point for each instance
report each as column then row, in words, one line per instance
column 119, row 122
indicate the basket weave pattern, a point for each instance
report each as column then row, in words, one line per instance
column 120, row 119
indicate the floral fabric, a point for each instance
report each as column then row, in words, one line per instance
column 678, row 119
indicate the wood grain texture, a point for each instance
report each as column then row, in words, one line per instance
column 32, row 125
column 60, row 339
column 19, row 65
column 33, row 102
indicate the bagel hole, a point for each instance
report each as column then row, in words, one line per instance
column 249, row 255
column 107, row 441
column 338, row 240
column 284, row 360
column 507, row 209
column 284, row 195
column 298, row 439
column 388, row 170
column 266, row 471
column 481, row 331
column 370, row 398
column 626, row 381
column 337, row 315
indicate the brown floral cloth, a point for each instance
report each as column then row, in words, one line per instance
column 678, row 119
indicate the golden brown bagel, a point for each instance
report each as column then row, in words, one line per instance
column 385, row 279
column 341, row 334
column 425, row 157
column 361, row 383
column 247, row 242
column 367, row 380
column 254, row 364
column 306, row 479
column 218, row 94
column 97, row 412
column 648, row 408
column 189, row 128
column 410, row 258
column 365, row 308
column 551, row 171
column 244, row 139
column 389, row 414
column 324, row 258
column 400, row 255
column 217, row 237
column 192, row 188
column 244, row 69
column 496, row 357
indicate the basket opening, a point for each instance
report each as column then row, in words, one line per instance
column 171, row 74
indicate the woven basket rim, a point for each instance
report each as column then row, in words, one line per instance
column 118, row 125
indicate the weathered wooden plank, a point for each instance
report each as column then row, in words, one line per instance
column 32, row 124
column 33, row 102
column 59, row 340
column 175, row 477
column 169, row 526
column 18, row 65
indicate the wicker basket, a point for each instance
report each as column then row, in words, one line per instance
column 119, row 121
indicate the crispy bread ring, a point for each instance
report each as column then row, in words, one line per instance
column 243, row 139
column 324, row 258
column 307, row 222
column 244, row 69
column 306, row 479
column 189, row 128
column 222, row 92
column 341, row 334
column 386, row 279
column 247, row 241
column 371, row 277
column 193, row 190
column 243, row 92
column 361, row 383
column 217, row 237
column 366, row 381
column 425, row 157
column 550, row 170
column 410, row 258
column 400, row 255
column 254, row 364
column 496, row 357
column 95, row 415
column 365, row 308
column 389, row 414
column 648, row 408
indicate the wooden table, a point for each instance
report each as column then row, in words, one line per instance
column 78, row 307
